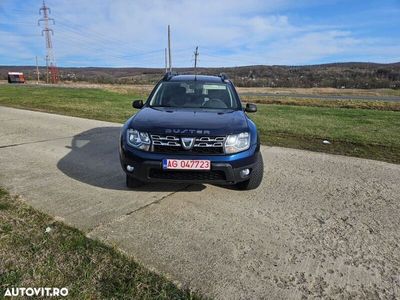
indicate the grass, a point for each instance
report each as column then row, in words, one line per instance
column 353, row 129
column 356, row 132
column 79, row 102
column 392, row 92
column 287, row 100
column 65, row 257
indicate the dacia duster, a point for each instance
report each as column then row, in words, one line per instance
column 192, row 129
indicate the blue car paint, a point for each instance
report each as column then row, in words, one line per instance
column 217, row 122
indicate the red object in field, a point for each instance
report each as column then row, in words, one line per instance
column 16, row 77
column 54, row 74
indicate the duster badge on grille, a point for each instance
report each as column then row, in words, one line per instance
column 184, row 131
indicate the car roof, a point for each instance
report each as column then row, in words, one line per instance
column 202, row 78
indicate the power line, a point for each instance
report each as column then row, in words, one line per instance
column 96, row 34
column 50, row 60
column 37, row 70
column 93, row 41
column 78, row 36
column 100, row 51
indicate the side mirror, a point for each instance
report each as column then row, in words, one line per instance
column 137, row 104
column 250, row 108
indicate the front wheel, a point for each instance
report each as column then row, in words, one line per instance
column 256, row 176
column 132, row 182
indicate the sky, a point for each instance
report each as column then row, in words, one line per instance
column 133, row 33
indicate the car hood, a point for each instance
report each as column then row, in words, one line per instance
column 189, row 121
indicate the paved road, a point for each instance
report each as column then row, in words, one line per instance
column 326, row 97
column 320, row 225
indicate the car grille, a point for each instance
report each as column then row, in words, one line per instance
column 187, row 175
column 202, row 145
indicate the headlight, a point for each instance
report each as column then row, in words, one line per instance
column 237, row 142
column 139, row 140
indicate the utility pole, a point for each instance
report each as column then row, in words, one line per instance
column 196, row 54
column 169, row 48
column 166, row 63
column 37, row 71
column 50, row 61
column 47, row 69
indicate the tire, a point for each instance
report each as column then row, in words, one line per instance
column 256, row 176
column 132, row 182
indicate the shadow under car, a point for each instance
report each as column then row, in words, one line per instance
column 94, row 160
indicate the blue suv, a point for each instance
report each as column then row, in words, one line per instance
column 192, row 129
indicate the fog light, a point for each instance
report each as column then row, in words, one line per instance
column 130, row 168
column 244, row 173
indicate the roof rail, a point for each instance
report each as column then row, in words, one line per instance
column 168, row 75
column 223, row 76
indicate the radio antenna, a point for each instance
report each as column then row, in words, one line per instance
column 196, row 54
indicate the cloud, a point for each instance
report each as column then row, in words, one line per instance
column 133, row 33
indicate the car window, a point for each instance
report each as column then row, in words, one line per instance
column 194, row 95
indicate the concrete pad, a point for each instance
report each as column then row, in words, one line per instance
column 69, row 168
column 320, row 226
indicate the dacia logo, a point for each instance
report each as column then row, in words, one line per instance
column 187, row 142
column 185, row 131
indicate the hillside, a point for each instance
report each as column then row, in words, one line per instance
column 336, row 75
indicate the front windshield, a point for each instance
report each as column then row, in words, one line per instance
column 194, row 95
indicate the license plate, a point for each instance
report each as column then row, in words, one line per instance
column 186, row 164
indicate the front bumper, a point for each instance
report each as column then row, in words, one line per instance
column 225, row 169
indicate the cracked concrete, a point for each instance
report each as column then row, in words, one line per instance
column 35, row 142
column 320, row 226
column 158, row 200
column 121, row 218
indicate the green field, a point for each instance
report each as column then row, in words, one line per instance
column 346, row 103
column 65, row 258
column 369, row 132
